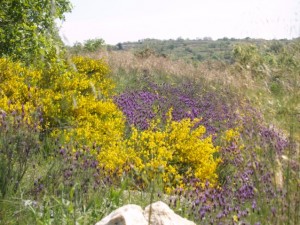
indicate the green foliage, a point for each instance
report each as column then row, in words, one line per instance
column 274, row 69
column 92, row 45
column 28, row 30
column 19, row 141
column 66, row 208
column 247, row 55
column 187, row 50
column 88, row 46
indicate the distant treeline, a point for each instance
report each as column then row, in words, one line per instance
column 189, row 50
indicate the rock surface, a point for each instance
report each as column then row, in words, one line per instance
column 125, row 215
column 160, row 214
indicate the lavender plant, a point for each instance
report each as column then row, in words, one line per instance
column 19, row 142
column 249, row 186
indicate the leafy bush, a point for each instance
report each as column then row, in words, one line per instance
column 28, row 30
column 93, row 45
column 75, row 104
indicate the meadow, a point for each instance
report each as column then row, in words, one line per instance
column 216, row 140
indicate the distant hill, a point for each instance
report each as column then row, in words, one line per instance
column 191, row 50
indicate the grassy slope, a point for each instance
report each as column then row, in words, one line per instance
column 277, row 99
column 274, row 92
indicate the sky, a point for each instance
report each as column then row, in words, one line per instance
column 132, row 20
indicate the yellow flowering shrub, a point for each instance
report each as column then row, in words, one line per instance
column 66, row 93
column 87, row 114
column 176, row 152
column 18, row 89
column 100, row 123
column 74, row 103
column 96, row 71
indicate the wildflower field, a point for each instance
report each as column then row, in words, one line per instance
column 85, row 131
column 91, row 134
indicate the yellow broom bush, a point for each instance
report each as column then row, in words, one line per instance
column 176, row 152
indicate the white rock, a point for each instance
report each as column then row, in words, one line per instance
column 125, row 215
column 160, row 214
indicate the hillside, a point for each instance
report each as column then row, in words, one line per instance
column 194, row 50
column 211, row 128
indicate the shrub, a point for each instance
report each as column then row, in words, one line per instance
column 18, row 87
column 177, row 152
column 93, row 45
column 28, row 30
column 75, row 106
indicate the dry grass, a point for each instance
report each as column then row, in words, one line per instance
column 210, row 71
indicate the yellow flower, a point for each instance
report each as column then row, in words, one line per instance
column 235, row 218
column 179, row 148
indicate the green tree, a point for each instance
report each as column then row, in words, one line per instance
column 93, row 45
column 28, row 30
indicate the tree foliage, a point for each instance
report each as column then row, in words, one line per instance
column 88, row 46
column 92, row 45
column 28, row 30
